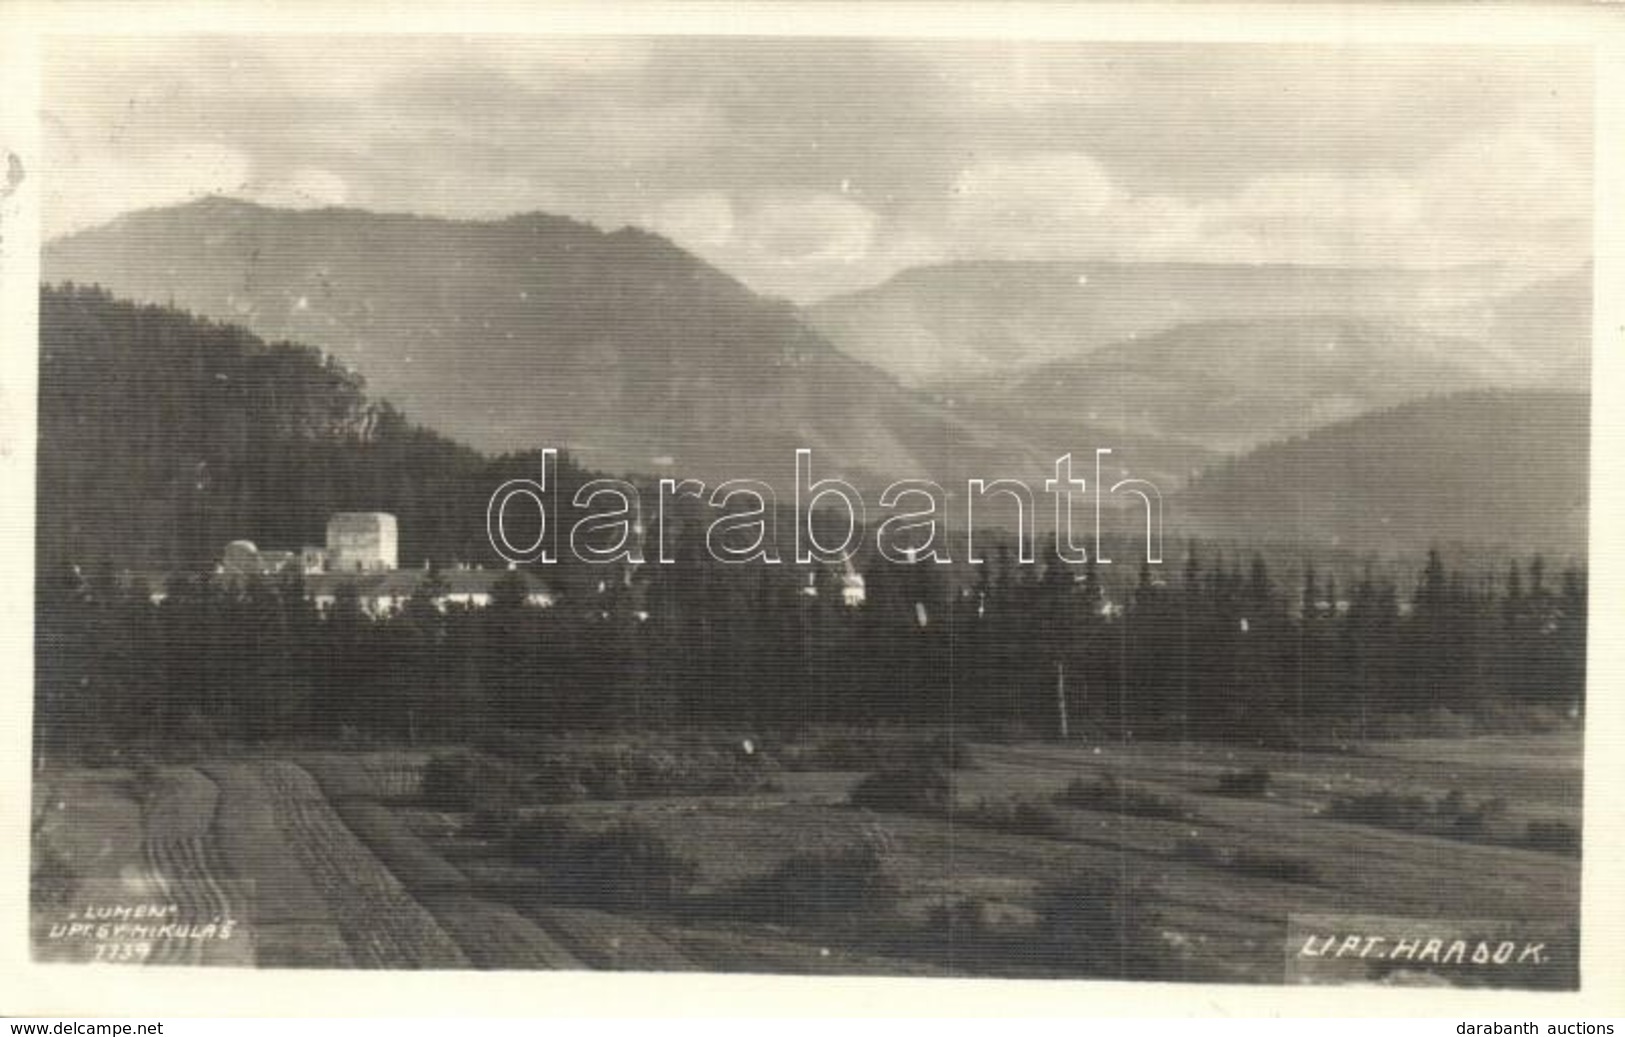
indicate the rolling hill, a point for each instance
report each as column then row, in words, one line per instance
column 1489, row 468
column 959, row 322
column 1233, row 385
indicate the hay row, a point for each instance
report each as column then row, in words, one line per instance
column 301, row 945
column 395, row 775
column 382, row 775
column 185, row 873
column 607, row 941
column 407, row 857
column 179, row 817
column 383, row 926
column 181, row 805
column 254, row 851
column 495, row 936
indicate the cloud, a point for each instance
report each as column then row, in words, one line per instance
column 703, row 222
column 811, row 228
column 1022, row 188
column 305, row 188
column 1515, row 172
column 97, row 187
column 805, row 166
column 799, row 245
column 1513, row 192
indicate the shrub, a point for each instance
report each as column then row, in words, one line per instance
column 1197, row 850
column 912, row 789
column 1452, row 816
column 1099, row 925
column 627, row 866
column 625, row 771
column 1017, row 815
column 964, row 919
column 1552, row 837
column 1251, row 782
column 825, row 883
column 557, row 779
column 950, row 752
column 1384, row 809
column 1109, row 795
column 472, row 781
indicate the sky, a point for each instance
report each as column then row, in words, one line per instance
column 808, row 167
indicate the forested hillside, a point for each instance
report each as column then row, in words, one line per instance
column 163, row 436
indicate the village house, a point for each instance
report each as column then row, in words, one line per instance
column 362, row 553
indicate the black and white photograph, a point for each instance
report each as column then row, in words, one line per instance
column 992, row 506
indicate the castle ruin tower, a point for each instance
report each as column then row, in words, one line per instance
column 362, row 541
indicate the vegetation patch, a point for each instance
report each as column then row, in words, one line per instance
column 913, row 789
column 1552, row 837
column 1017, row 815
column 825, row 883
column 1264, row 864
column 1252, row 782
column 1094, row 924
column 407, row 857
column 1107, row 794
column 1451, row 816
column 628, row 866
column 466, row 780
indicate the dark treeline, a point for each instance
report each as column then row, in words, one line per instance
column 1215, row 653
column 163, row 437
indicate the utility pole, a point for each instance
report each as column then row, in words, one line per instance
column 1060, row 696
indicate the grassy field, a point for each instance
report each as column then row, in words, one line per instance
column 339, row 859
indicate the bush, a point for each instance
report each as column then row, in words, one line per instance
column 1098, row 925
column 1197, row 850
column 472, row 781
column 1452, row 816
column 1384, row 809
column 950, row 752
column 1018, row 816
column 1108, row 795
column 914, row 789
column 627, row 866
column 625, row 771
column 1251, row 782
column 825, row 883
column 960, row 921
column 1552, row 837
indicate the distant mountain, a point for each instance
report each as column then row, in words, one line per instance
column 960, row 322
column 1232, row 385
column 1545, row 326
column 1488, row 468
column 541, row 331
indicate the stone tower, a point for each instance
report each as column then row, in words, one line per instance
column 361, row 541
